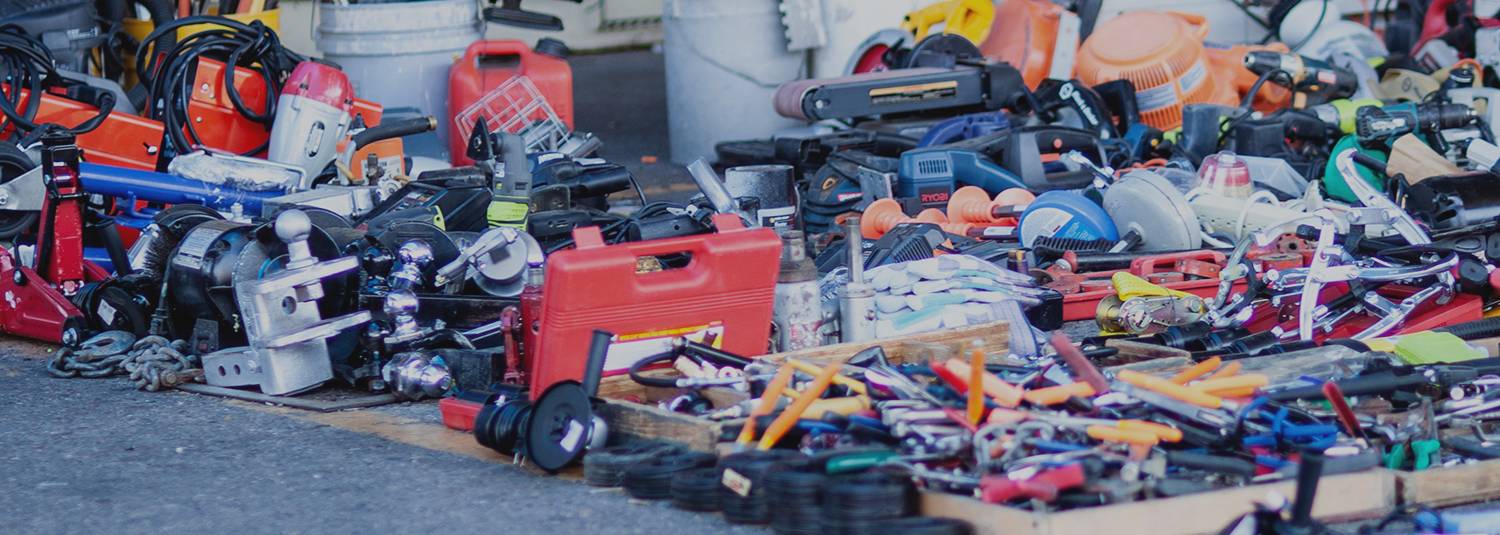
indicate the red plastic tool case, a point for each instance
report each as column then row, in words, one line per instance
column 727, row 289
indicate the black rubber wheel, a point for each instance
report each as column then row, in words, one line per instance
column 696, row 489
column 652, row 479
column 794, row 492
column 14, row 163
column 606, row 467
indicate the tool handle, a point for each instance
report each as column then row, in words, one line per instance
column 1212, row 463
column 594, row 370
column 392, row 129
column 1165, row 433
column 1309, row 471
column 1056, row 395
column 1218, row 386
column 1106, row 433
column 789, row 417
column 1044, row 486
column 853, row 385
column 1229, row 370
column 1197, row 370
column 842, row 406
column 1079, row 364
column 767, row 402
column 1005, row 394
column 1147, row 265
column 1170, row 389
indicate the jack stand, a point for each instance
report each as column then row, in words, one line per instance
column 288, row 350
column 36, row 302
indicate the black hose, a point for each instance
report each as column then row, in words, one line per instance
column 26, row 63
column 167, row 73
column 104, row 229
column 393, row 129
column 1474, row 330
column 638, row 366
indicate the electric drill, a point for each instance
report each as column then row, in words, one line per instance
column 1377, row 124
column 1340, row 113
column 1319, row 80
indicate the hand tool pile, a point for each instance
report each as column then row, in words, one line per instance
column 1289, row 250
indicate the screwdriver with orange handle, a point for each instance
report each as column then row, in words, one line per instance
column 1229, row 370
column 1161, row 432
column 1057, row 395
column 1170, row 389
column 767, row 403
column 1005, row 394
column 789, row 417
column 1198, row 370
column 811, row 369
column 1231, row 385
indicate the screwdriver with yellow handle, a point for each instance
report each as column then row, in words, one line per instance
column 793, row 412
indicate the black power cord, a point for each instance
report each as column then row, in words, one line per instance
column 27, row 64
column 167, row 74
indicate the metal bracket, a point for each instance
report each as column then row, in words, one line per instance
column 23, row 193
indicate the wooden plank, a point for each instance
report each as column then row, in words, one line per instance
column 1342, row 497
column 635, row 421
column 1453, row 485
column 995, row 336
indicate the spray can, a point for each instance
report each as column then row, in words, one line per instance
column 857, row 302
column 798, row 310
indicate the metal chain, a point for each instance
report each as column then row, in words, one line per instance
column 153, row 363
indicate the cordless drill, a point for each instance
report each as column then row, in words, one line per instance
column 1383, row 124
column 1318, row 80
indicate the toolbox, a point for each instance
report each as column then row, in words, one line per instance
column 725, row 291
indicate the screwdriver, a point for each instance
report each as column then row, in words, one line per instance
column 1005, row 394
column 1079, row 364
column 789, row 417
column 1054, row 395
column 1170, row 389
column 767, row 403
column 1198, row 370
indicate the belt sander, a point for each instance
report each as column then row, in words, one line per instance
column 989, row 86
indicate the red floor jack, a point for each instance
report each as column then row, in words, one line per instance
column 34, row 303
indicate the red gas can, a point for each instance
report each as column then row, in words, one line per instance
column 726, row 291
column 487, row 64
